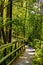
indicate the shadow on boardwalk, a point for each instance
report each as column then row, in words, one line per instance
column 26, row 57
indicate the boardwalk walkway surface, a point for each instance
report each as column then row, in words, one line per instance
column 25, row 58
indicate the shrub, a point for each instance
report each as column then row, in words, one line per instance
column 38, row 59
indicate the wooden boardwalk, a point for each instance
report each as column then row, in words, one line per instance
column 25, row 58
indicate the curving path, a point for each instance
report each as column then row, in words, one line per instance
column 25, row 58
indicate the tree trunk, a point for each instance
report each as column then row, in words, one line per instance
column 10, row 29
column 2, row 29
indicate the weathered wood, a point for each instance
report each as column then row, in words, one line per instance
column 12, row 51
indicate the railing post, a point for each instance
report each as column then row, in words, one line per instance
column 4, row 55
column 11, row 51
column 18, row 46
column 15, row 48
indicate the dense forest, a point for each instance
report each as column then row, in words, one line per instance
column 21, row 21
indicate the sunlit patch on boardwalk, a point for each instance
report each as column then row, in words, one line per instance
column 32, row 50
column 27, row 61
column 23, row 57
column 26, row 57
column 31, row 53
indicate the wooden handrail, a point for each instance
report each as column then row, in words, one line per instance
column 10, row 54
column 13, row 51
column 7, row 44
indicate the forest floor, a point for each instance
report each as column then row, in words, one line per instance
column 26, row 57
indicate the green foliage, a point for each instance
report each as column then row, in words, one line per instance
column 38, row 59
column 27, row 23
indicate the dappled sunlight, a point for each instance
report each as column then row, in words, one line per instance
column 27, row 61
column 23, row 57
column 21, row 32
column 30, row 50
column 26, row 46
column 26, row 58
column 31, row 53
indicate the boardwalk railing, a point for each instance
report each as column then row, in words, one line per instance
column 9, row 52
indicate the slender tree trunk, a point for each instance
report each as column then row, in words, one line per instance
column 2, row 29
column 7, row 19
column 3, row 34
column 25, row 20
column 10, row 29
